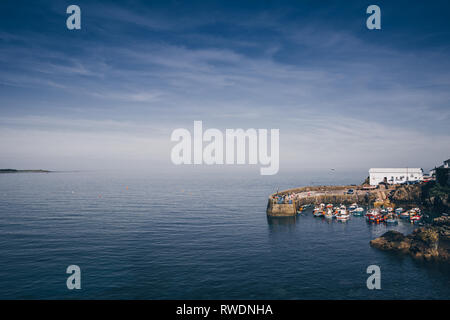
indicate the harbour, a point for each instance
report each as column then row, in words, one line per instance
column 386, row 190
column 407, row 197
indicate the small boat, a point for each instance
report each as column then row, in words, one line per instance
column 329, row 205
column 391, row 221
column 318, row 212
column 378, row 218
column 415, row 218
column 404, row 215
column 369, row 214
column 342, row 215
column 329, row 213
column 374, row 216
column 358, row 212
column 353, row 206
column 398, row 210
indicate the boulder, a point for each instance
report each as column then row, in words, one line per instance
column 392, row 241
column 431, row 243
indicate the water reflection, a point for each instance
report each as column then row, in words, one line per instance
column 281, row 223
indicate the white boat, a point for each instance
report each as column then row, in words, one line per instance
column 404, row 215
column 358, row 211
column 343, row 215
column 318, row 211
column 415, row 218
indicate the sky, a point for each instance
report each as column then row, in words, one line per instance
column 110, row 95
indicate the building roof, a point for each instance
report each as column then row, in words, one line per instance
column 396, row 170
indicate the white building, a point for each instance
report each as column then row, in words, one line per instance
column 446, row 165
column 394, row 175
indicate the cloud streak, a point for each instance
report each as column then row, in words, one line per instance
column 137, row 74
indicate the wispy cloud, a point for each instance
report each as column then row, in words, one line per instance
column 334, row 94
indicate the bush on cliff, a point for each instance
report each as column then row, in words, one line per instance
column 437, row 196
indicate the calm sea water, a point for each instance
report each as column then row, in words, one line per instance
column 205, row 236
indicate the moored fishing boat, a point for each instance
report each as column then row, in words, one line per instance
column 342, row 215
column 391, row 220
column 404, row 215
column 358, row 212
column 319, row 214
column 415, row 218
column 318, row 211
column 378, row 218
column 370, row 213
column 375, row 216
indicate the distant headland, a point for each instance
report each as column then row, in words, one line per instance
column 24, row 171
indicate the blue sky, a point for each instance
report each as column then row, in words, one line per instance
column 110, row 94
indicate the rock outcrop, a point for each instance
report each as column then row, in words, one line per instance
column 412, row 193
column 431, row 243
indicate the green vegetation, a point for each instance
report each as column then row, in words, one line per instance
column 442, row 176
column 436, row 195
column 439, row 190
column 367, row 181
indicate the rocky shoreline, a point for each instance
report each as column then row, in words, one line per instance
column 429, row 243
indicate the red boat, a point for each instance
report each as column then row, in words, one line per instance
column 374, row 216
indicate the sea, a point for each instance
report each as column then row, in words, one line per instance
column 196, row 235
